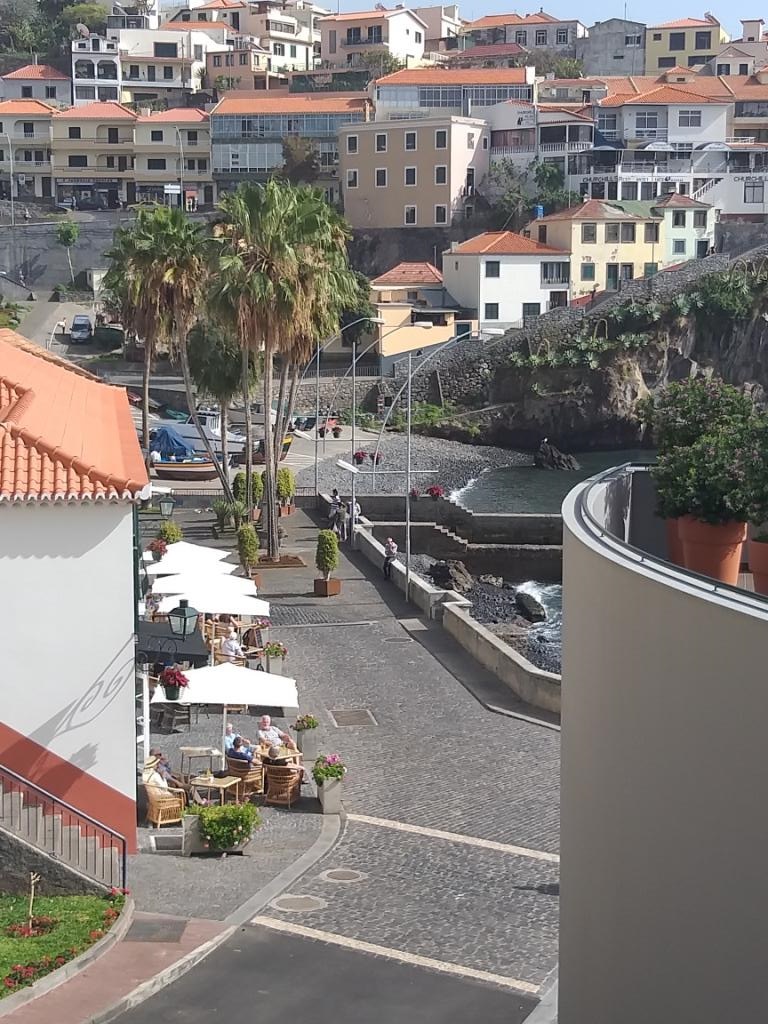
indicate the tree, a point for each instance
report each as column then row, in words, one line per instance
column 379, row 63
column 550, row 62
column 358, row 307
column 511, row 195
column 225, row 82
column 93, row 15
column 67, row 234
column 551, row 192
column 300, row 161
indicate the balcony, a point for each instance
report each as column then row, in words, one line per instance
column 558, row 281
column 505, row 151
column 564, row 147
column 364, row 42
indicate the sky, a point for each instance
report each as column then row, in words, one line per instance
column 652, row 12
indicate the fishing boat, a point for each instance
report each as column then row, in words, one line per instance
column 172, row 458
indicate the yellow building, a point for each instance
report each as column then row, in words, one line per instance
column 688, row 42
column 607, row 244
column 25, row 147
column 92, row 155
column 173, row 153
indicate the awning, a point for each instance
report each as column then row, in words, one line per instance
column 156, row 642
column 231, row 684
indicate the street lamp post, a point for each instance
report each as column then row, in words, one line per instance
column 5, row 135
column 182, row 203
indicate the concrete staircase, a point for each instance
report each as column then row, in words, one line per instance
column 59, row 832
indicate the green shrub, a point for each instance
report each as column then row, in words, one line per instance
column 327, row 554
column 222, row 512
column 257, row 486
column 248, row 547
column 170, row 532
column 286, row 484
column 238, row 511
column 685, row 410
column 224, row 827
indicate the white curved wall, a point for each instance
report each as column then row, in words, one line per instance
column 664, row 857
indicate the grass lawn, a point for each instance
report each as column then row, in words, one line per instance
column 81, row 922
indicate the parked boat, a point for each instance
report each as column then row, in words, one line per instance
column 210, row 421
column 196, row 468
column 173, row 459
column 258, row 452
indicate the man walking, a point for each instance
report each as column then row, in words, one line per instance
column 390, row 553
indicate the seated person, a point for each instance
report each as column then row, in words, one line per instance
column 272, row 736
column 240, row 752
column 157, row 772
column 150, row 776
column 273, row 756
column 230, row 736
column 231, row 647
column 163, row 768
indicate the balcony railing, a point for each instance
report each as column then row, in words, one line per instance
column 363, row 42
column 564, row 147
column 549, row 282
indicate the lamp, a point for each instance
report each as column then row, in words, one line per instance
column 183, row 620
column 167, row 506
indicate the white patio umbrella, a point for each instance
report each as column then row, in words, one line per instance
column 202, row 580
column 184, row 548
column 172, row 565
column 213, row 600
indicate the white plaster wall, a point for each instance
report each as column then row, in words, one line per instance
column 66, row 607
column 401, row 32
column 714, row 124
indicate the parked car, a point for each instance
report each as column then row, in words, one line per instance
column 81, row 330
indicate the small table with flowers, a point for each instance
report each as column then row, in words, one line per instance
column 222, row 785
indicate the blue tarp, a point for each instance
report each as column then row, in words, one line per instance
column 168, row 441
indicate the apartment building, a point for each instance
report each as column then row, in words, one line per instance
column 344, row 38
column 674, row 115
column 522, row 132
column 441, row 92
column 247, row 133
column 243, row 66
column 607, row 244
column 172, row 158
column 612, row 47
column 289, row 32
column 689, row 42
column 688, row 229
column 444, row 26
column 96, row 72
column 167, row 64
column 539, row 31
column 411, row 174
column 25, row 149
column 36, row 82
column 505, row 278
column 92, row 155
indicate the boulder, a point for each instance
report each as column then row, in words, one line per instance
column 529, row 607
column 451, row 575
column 548, row 457
column 494, row 581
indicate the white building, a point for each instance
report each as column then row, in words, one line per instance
column 440, row 92
column 345, row 37
column 167, row 63
column 36, row 82
column 443, row 23
column 506, row 277
column 288, row 32
column 71, row 475
column 96, row 72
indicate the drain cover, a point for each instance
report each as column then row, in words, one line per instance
column 352, row 716
column 341, row 875
column 298, row 903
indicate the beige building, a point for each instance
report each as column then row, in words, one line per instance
column 172, row 157
column 92, row 155
column 412, row 173
column 25, row 143
column 345, row 37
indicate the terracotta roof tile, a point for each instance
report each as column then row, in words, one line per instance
column 593, row 209
column 183, row 26
column 38, row 73
column 222, row 5
column 64, row 435
column 409, row 273
column 368, row 15
column 293, row 103
column 109, row 110
column 495, row 20
column 455, row 76
column 663, row 95
column 688, row 23
column 28, row 107
column 485, row 52
column 675, row 200
column 503, row 243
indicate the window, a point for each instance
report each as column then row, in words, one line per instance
column 492, row 268
column 278, row 49
column 441, row 215
column 156, row 163
column 410, row 141
column 165, row 50
column 627, row 271
column 491, row 311
column 410, row 176
column 649, row 269
column 562, row 37
column 156, row 135
column 633, row 41
column 646, row 121
column 666, row 62
column 589, row 233
column 441, row 174
column 202, row 165
column 611, row 232
column 651, row 233
column 78, row 161
column 587, row 271
column 543, row 233
column 28, row 156
column 243, row 58
column 381, row 177
column 441, row 139
column 699, row 218
column 190, row 165
column 521, row 37
column 291, row 51
column 417, row 37
column 26, row 92
column 167, row 72
column 332, row 41
column 541, row 37
column 677, row 40
column 470, row 140
column 703, row 40
column 352, row 179
column 657, row 37
column 50, row 92
column 410, row 215
column 678, row 246
column 150, row 72
column 531, row 309
column 74, row 133
column 112, row 136
column 191, row 138
column 29, row 130
column 629, row 190
column 678, row 218
column 689, row 119
column 743, row 69
column 724, row 69
column 217, row 60
column 381, row 143
column 627, row 232
column 352, row 143
column 110, row 161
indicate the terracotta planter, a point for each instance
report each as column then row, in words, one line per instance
column 674, row 544
column 256, row 578
column 327, row 588
column 713, row 549
column 285, row 510
column 758, row 565
column 255, row 515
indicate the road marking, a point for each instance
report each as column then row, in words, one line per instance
column 397, row 954
column 456, row 837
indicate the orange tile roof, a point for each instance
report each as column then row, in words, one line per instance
column 176, row 114
column 183, row 26
column 503, row 243
column 28, row 107
column 485, row 52
column 38, row 72
column 558, row 108
column 674, row 199
column 221, row 5
column 689, row 23
column 405, row 274
column 368, row 15
column 455, row 76
column 107, row 110
column 663, row 95
column 494, row 20
column 593, row 209
column 64, row 435
column 292, row 103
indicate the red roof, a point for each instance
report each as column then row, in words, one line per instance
column 662, row 95
column 404, row 274
column 262, row 102
column 495, row 20
column 592, row 209
column 675, row 200
column 455, row 76
column 370, row 15
column 503, row 243
column 38, row 72
column 221, row 5
column 28, row 107
column 64, row 435
column 108, row 110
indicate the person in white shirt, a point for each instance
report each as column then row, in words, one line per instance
column 390, row 553
column 231, row 647
column 272, row 736
column 151, row 776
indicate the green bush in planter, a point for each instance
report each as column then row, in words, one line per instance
column 257, row 487
column 286, row 484
column 327, row 553
column 222, row 511
column 682, row 412
column 170, row 532
column 224, row 827
column 248, row 547
column 238, row 512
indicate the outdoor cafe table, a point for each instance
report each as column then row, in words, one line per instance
column 222, row 785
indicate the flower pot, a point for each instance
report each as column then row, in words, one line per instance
column 172, row 692
column 193, row 842
column 713, row 549
column 306, row 741
column 275, row 665
column 758, row 565
column 329, row 794
column 327, row 588
column 156, row 556
column 285, row 510
column 255, row 515
column 674, row 544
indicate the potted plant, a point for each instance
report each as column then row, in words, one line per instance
column 376, row 458
column 286, row 488
column 305, row 727
column 221, row 509
column 173, row 681
column 158, row 547
column 435, row 492
column 336, row 431
column 248, row 550
column 359, row 457
column 225, row 829
column 274, row 650
column 758, row 560
column 237, row 511
column 328, row 773
column 321, row 431
column 170, row 532
column 326, row 560
column 414, row 494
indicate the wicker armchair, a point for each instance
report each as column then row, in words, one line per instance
column 164, row 806
column 250, row 774
column 282, row 784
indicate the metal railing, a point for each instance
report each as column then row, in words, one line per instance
column 78, row 840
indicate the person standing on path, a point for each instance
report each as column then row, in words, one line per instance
column 342, row 521
column 390, row 553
